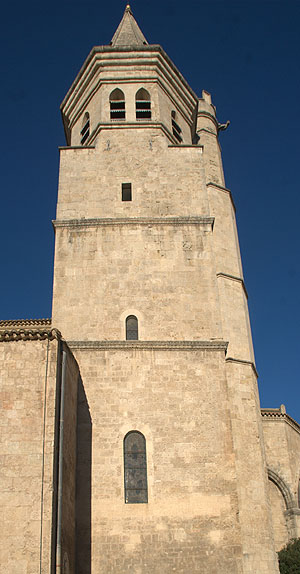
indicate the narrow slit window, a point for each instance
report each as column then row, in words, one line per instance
column 126, row 192
column 135, row 468
column 176, row 129
column 117, row 105
column 142, row 105
column 85, row 132
column 132, row 333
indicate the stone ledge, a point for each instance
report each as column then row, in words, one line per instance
column 9, row 335
column 234, row 278
column 223, row 189
column 64, row 147
column 242, row 362
column 134, row 221
column 278, row 415
column 149, row 345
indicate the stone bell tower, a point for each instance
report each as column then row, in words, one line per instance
column 150, row 297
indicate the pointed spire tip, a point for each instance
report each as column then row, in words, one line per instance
column 128, row 32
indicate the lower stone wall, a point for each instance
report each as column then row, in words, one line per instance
column 28, row 387
column 178, row 400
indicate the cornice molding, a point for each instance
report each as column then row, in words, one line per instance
column 23, row 322
column 234, row 278
column 278, row 415
column 96, row 222
column 242, row 362
column 135, row 55
column 108, row 56
column 9, row 335
column 150, row 345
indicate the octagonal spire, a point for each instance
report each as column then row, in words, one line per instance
column 128, row 32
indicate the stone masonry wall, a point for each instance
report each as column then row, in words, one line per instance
column 166, row 181
column 178, row 400
column 252, row 484
column 282, row 444
column 115, row 265
column 28, row 386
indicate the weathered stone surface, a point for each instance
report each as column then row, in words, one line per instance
column 171, row 258
column 282, row 445
column 28, row 388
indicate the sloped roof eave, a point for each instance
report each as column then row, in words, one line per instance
column 129, row 49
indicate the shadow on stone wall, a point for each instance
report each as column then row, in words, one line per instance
column 83, row 484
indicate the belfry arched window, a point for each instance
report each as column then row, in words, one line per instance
column 132, row 330
column 142, row 105
column 117, row 105
column 176, row 129
column 85, row 132
column 135, row 468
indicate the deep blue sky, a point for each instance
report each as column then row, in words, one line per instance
column 246, row 53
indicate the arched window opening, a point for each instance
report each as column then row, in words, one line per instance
column 299, row 493
column 132, row 328
column 85, row 132
column 135, row 468
column 142, row 105
column 175, row 128
column 117, row 105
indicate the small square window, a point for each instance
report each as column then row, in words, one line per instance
column 126, row 192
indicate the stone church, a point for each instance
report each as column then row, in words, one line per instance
column 132, row 439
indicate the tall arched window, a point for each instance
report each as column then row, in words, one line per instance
column 117, row 105
column 135, row 468
column 142, row 105
column 132, row 333
column 175, row 127
column 85, row 132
